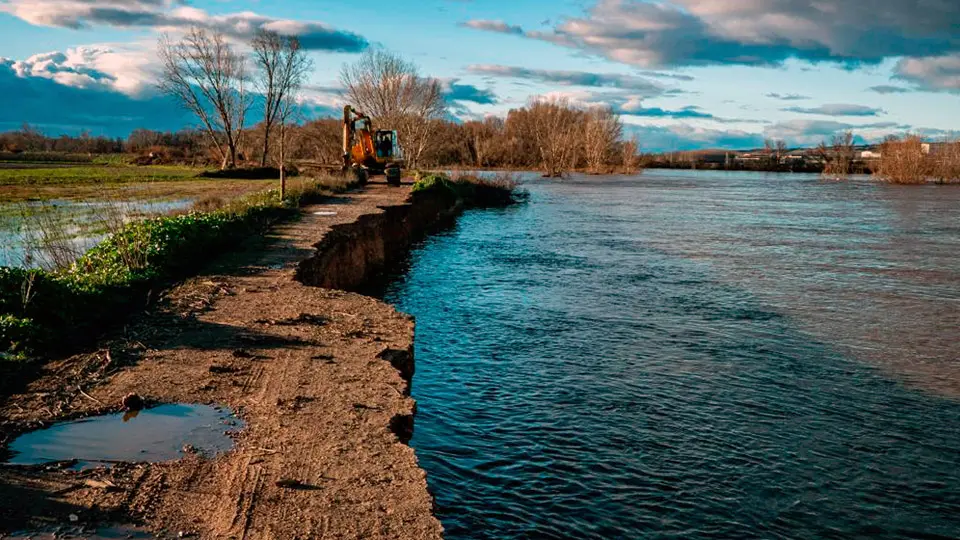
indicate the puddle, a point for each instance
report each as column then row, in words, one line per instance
column 152, row 435
column 324, row 213
column 125, row 532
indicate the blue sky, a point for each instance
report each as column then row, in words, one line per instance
column 685, row 74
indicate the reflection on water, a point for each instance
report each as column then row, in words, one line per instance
column 693, row 355
column 151, row 435
column 120, row 532
column 81, row 224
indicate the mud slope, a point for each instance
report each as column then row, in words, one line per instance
column 321, row 377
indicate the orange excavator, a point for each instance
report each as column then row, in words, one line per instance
column 368, row 152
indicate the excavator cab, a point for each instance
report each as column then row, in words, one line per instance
column 369, row 152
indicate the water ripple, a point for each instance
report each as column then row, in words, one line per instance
column 692, row 356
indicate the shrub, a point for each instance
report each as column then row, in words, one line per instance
column 903, row 161
column 437, row 183
column 473, row 190
column 19, row 333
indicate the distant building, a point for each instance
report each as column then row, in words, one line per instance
column 933, row 148
column 870, row 154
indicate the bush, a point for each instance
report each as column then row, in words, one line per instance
column 906, row 161
column 113, row 159
column 19, row 333
column 437, row 183
column 474, row 191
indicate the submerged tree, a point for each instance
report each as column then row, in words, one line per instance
column 207, row 77
column 556, row 128
column 602, row 132
column 839, row 156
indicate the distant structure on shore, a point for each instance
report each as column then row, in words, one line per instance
column 794, row 160
column 864, row 158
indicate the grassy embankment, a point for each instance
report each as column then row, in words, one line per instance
column 48, row 312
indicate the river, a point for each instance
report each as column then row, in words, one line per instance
column 690, row 354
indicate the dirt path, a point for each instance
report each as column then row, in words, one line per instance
column 321, row 378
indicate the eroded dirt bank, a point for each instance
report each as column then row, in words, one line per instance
column 320, row 376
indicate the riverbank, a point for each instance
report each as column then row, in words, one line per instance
column 320, row 376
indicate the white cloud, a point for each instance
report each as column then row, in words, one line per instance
column 124, row 69
column 755, row 32
column 838, row 109
column 638, row 85
column 931, row 73
column 171, row 15
column 802, row 132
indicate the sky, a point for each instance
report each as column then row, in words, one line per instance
column 683, row 74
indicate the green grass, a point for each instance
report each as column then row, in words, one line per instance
column 45, row 312
column 473, row 191
column 94, row 174
column 44, row 157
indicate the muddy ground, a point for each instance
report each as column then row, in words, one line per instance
column 320, row 376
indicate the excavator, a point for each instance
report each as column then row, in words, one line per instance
column 368, row 152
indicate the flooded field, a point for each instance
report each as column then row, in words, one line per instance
column 79, row 215
column 693, row 355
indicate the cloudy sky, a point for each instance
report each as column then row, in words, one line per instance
column 684, row 74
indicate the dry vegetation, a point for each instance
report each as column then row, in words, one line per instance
column 839, row 156
column 906, row 161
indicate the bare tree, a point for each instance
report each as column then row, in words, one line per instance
column 902, row 161
column 288, row 108
column 774, row 151
column 602, row 132
column 325, row 139
column 391, row 90
column 208, row 78
column 482, row 138
column 630, row 159
column 946, row 167
column 283, row 68
column 781, row 150
column 557, row 130
column 838, row 157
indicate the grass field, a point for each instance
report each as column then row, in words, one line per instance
column 17, row 175
column 169, row 189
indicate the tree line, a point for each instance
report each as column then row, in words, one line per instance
column 221, row 86
column 31, row 139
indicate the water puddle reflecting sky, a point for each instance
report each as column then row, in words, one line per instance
column 152, row 435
